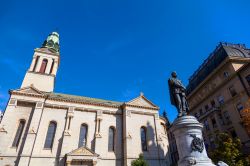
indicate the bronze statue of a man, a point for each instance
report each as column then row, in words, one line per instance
column 178, row 94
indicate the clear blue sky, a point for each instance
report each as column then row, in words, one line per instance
column 113, row 49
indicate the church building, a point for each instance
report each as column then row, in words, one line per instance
column 41, row 127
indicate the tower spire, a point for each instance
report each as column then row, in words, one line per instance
column 52, row 42
column 42, row 71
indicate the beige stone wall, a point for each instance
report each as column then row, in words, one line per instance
column 8, row 127
column 66, row 140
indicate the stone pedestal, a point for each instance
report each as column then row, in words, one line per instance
column 188, row 134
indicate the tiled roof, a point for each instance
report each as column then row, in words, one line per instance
column 60, row 96
column 222, row 51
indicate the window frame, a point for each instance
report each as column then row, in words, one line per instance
column 16, row 141
column 86, row 136
column 144, row 145
column 53, row 136
column 113, row 143
column 43, row 66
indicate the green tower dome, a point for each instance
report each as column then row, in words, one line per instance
column 52, row 42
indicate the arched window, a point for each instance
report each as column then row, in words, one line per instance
column 50, row 135
column 19, row 133
column 83, row 135
column 144, row 139
column 111, row 139
column 43, row 66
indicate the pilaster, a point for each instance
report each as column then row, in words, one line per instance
column 55, row 67
column 32, row 63
column 98, row 134
column 67, row 132
column 32, row 133
column 47, row 70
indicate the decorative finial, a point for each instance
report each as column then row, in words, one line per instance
column 52, row 42
column 141, row 94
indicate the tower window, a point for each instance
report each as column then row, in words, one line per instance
column 18, row 133
column 43, row 66
column 111, row 141
column 144, row 139
column 83, row 135
column 50, row 135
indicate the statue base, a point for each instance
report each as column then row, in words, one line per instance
column 188, row 135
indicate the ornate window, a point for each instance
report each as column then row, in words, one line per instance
column 43, row 66
column 144, row 139
column 19, row 133
column 111, row 141
column 50, row 135
column 83, row 135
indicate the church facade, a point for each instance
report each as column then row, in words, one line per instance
column 41, row 127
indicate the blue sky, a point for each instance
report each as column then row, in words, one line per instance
column 114, row 49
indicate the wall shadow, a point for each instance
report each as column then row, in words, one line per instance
column 155, row 153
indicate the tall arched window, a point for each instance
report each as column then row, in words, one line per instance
column 83, row 135
column 111, row 139
column 43, row 66
column 19, row 133
column 50, row 135
column 144, row 139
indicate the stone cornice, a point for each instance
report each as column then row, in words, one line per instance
column 78, row 102
column 144, row 107
column 12, row 92
column 54, row 54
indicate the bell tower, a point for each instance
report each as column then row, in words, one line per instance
column 44, row 65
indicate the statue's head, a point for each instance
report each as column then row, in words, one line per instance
column 173, row 74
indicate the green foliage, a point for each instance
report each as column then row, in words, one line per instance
column 139, row 162
column 228, row 150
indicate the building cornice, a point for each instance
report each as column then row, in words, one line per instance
column 227, row 60
column 144, row 107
